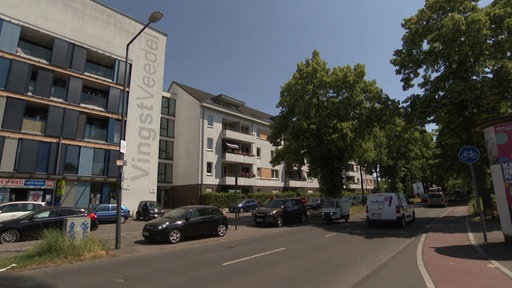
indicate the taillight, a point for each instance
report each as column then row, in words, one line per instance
column 92, row 216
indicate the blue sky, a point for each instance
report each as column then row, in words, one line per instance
column 248, row 49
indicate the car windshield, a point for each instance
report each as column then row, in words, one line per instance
column 154, row 205
column 330, row 204
column 176, row 213
column 275, row 203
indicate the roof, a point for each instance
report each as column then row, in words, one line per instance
column 226, row 102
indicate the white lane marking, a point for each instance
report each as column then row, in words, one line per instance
column 480, row 250
column 253, row 256
column 421, row 264
column 329, row 235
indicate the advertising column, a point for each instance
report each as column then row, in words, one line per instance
column 498, row 138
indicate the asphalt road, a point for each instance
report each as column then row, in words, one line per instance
column 301, row 255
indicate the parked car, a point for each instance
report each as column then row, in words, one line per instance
column 336, row 209
column 108, row 212
column 315, row 203
column 186, row 221
column 436, row 199
column 280, row 211
column 389, row 207
column 149, row 209
column 11, row 210
column 31, row 225
column 244, row 205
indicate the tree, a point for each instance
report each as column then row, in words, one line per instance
column 458, row 54
column 324, row 118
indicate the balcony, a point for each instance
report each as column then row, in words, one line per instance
column 94, row 100
column 239, row 157
column 231, row 134
column 34, row 51
column 33, row 126
column 242, row 181
column 99, row 70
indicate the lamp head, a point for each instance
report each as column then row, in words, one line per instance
column 155, row 16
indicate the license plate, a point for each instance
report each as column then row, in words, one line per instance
column 259, row 220
column 145, row 233
column 377, row 215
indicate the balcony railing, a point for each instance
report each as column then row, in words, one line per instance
column 227, row 133
column 98, row 70
column 29, row 49
column 93, row 100
column 33, row 126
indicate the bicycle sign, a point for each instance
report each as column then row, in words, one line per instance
column 469, row 154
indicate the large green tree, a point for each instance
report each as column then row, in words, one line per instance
column 458, row 54
column 325, row 117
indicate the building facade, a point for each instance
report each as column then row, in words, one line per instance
column 61, row 87
column 221, row 146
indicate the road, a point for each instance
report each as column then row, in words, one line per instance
column 301, row 255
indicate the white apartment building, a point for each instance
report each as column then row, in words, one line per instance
column 221, row 145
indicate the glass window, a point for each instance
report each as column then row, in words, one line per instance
column 34, row 119
column 96, row 129
column 94, row 97
column 59, row 88
column 209, row 168
column 209, row 144
column 98, row 164
column 258, row 152
column 168, row 106
column 166, row 127
column 43, row 153
column 164, row 172
column 71, row 160
column 166, row 150
column 275, row 174
column 4, row 71
column 34, row 50
column 210, row 120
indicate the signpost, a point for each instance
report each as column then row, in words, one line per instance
column 469, row 155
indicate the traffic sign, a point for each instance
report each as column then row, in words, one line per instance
column 469, row 154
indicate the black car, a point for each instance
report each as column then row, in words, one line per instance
column 244, row 205
column 280, row 211
column 31, row 225
column 186, row 221
column 149, row 209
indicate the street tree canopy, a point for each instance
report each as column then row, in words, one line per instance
column 326, row 117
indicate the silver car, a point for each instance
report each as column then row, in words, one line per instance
column 11, row 210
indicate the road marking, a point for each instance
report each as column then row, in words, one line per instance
column 253, row 256
column 481, row 251
column 421, row 264
column 329, row 235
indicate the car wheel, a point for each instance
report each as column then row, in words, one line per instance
column 137, row 216
column 146, row 218
column 221, row 230
column 10, row 236
column 413, row 217
column 123, row 219
column 174, row 236
column 402, row 222
column 279, row 221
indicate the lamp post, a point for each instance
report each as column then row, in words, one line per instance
column 153, row 18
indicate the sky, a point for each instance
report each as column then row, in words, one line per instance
column 247, row 49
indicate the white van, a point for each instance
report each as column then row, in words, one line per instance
column 389, row 207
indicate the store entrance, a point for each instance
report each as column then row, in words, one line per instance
column 19, row 195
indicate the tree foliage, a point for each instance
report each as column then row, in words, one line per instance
column 326, row 118
column 458, row 54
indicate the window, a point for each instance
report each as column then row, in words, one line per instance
column 166, row 127
column 272, row 152
column 210, row 120
column 168, row 106
column 71, row 160
column 43, row 153
column 258, row 152
column 164, row 172
column 96, row 129
column 166, row 150
column 209, row 168
column 275, row 174
column 209, row 144
column 59, row 88
column 34, row 119
column 4, row 71
column 94, row 97
column 98, row 162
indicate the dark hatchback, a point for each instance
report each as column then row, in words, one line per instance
column 149, row 209
column 280, row 211
column 31, row 225
column 244, row 206
column 185, row 222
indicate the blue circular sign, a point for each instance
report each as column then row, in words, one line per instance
column 469, row 154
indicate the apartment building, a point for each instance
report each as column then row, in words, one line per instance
column 356, row 177
column 61, row 87
column 221, row 145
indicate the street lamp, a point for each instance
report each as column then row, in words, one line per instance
column 153, row 18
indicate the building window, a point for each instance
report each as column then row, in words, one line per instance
column 209, row 144
column 4, row 71
column 94, row 97
column 168, row 106
column 275, row 174
column 34, row 120
column 272, row 152
column 98, row 162
column 96, row 129
column 209, row 168
column 166, row 127
column 59, row 88
column 164, row 172
column 43, row 153
column 71, row 160
column 210, row 120
column 258, row 152
column 166, row 150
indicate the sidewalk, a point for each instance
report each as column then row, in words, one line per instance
column 455, row 254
